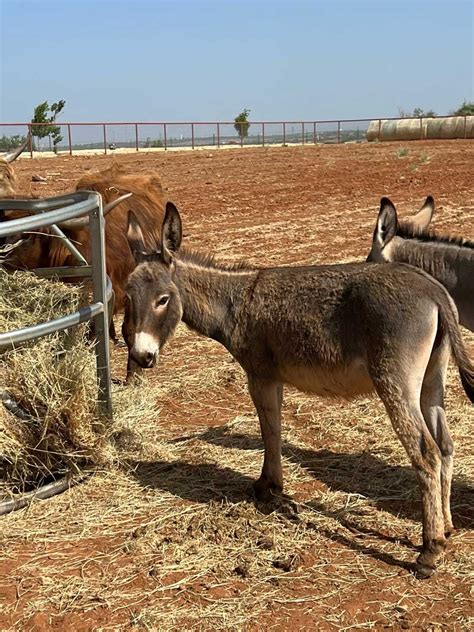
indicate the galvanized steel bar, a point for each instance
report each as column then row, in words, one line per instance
column 12, row 339
column 56, row 216
column 64, row 272
column 82, row 202
column 101, row 320
column 69, row 245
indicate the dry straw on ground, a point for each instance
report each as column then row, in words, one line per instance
column 171, row 538
column 53, row 380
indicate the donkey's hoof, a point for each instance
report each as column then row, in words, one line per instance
column 449, row 532
column 119, row 343
column 425, row 564
column 265, row 491
column 423, row 571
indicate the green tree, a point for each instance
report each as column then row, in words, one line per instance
column 417, row 112
column 241, row 124
column 466, row 109
column 47, row 116
column 11, row 142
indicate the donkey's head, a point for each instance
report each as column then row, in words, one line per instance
column 387, row 225
column 152, row 302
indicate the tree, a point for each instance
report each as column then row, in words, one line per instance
column 11, row 142
column 417, row 113
column 41, row 115
column 466, row 109
column 242, row 125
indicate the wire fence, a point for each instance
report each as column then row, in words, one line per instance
column 104, row 137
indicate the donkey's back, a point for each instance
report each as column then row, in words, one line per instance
column 324, row 329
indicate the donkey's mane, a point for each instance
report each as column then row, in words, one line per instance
column 209, row 261
column 408, row 232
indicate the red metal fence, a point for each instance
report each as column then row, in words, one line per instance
column 108, row 136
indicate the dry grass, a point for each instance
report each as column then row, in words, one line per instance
column 166, row 535
column 53, row 380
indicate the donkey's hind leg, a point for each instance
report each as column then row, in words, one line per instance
column 432, row 406
column 398, row 379
column 409, row 424
column 267, row 397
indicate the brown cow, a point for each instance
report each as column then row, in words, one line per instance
column 41, row 249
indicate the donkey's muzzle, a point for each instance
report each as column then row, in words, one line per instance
column 145, row 359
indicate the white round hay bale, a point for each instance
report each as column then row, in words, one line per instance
column 420, row 129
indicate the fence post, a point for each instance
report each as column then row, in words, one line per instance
column 164, row 135
column 218, row 135
column 338, row 132
column 105, row 138
column 263, row 134
column 284, row 133
column 421, row 128
column 136, row 136
column 30, row 132
column 101, row 321
column 69, row 138
column 465, row 126
column 192, row 134
column 302, row 133
column 380, row 130
column 241, row 134
column 314, row 133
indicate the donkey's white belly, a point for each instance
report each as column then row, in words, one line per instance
column 347, row 382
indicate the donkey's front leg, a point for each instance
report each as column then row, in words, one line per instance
column 267, row 397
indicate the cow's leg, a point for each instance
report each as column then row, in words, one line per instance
column 432, row 406
column 267, row 397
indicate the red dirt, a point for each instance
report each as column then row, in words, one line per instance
column 275, row 206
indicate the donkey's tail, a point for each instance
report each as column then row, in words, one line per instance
column 449, row 324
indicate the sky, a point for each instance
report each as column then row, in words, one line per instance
column 203, row 60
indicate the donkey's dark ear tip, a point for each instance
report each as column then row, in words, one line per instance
column 385, row 201
column 171, row 208
column 429, row 201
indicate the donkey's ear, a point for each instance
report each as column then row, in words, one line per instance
column 421, row 220
column 387, row 222
column 135, row 238
column 171, row 232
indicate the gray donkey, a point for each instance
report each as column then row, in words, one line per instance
column 337, row 330
column 450, row 260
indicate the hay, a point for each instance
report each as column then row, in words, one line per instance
column 53, row 380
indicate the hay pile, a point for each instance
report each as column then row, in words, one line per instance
column 53, row 381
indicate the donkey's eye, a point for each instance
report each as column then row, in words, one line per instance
column 160, row 302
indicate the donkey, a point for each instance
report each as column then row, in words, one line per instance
column 336, row 330
column 450, row 260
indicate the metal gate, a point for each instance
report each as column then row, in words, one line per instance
column 49, row 212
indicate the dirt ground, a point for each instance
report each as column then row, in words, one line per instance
column 172, row 539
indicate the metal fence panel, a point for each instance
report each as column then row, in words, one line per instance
column 48, row 212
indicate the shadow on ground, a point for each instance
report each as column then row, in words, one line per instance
column 390, row 488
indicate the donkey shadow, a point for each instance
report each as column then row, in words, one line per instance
column 392, row 488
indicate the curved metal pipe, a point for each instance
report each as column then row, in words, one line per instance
column 82, row 222
column 7, row 505
column 11, row 339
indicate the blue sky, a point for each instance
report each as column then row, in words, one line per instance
column 206, row 60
